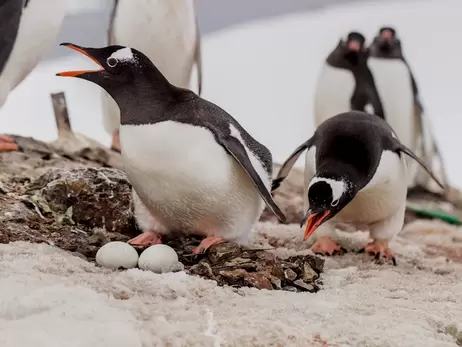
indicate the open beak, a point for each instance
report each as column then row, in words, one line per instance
column 314, row 221
column 79, row 72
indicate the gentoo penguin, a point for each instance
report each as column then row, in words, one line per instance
column 386, row 54
column 28, row 28
column 396, row 89
column 192, row 166
column 354, row 174
column 345, row 82
column 167, row 32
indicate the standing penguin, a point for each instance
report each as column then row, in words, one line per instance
column 28, row 29
column 345, row 82
column 192, row 166
column 167, row 32
column 387, row 55
column 354, row 174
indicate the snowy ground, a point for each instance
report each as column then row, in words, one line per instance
column 49, row 298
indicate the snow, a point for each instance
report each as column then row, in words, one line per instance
column 51, row 298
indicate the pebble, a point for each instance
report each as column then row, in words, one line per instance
column 116, row 254
column 158, row 258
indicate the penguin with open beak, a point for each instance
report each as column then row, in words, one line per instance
column 355, row 171
column 193, row 167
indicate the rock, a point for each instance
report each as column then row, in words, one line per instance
column 117, row 254
column 308, row 274
column 158, row 258
column 290, row 275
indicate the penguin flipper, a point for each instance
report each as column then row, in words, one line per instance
column 238, row 152
column 402, row 148
column 289, row 163
column 198, row 59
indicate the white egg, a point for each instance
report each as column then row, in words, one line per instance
column 117, row 254
column 158, row 258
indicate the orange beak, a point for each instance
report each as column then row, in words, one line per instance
column 314, row 221
column 78, row 72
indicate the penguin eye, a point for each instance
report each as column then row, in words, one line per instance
column 111, row 62
column 334, row 203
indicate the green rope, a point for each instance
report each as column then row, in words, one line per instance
column 435, row 214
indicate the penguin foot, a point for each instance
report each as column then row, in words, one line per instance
column 206, row 243
column 380, row 248
column 326, row 246
column 7, row 144
column 146, row 239
column 115, row 145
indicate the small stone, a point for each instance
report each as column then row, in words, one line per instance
column 276, row 282
column 114, row 255
column 308, row 287
column 258, row 280
column 202, row 269
column 157, row 257
column 290, row 289
column 308, row 274
column 234, row 274
column 290, row 274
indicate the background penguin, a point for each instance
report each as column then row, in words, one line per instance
column 387, row 47
column 354, row 174
column 192, row 166
column 28, row 28
column 167, row 32
column 345, row 82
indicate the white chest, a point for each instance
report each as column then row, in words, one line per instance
column 393, row 83
column 334, row 90
column 163, row 30
column 39, row 26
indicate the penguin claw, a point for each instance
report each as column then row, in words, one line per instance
column 326, row 246
column 206, row 244
column 8, row 144
column 146, row 239
column 379, row 248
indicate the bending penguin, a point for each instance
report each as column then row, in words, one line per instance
column 27, row 32
column 192, row 166
column 167, row 32
column 354, row 174
column 345, row 82
column 391, row 68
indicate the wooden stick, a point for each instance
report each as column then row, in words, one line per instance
column 61, row 114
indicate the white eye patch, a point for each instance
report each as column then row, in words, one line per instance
column 123, row 54
column 337, row 187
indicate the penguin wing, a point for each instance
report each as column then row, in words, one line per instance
column 235, row 148
column 289, row 163
column 110, row 28
column 198, row 58
column 10, row 17
column 399, row 147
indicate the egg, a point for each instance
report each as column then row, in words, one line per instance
column 158, row 258
column 117, row 254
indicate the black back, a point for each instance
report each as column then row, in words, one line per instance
column 365, row 89
column 10, row 17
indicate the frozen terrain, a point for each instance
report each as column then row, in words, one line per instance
column 49, row 298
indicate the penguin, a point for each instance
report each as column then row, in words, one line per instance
column 167, row 32
column 345, row 82
column 192, row 166
column 355, row 172
column 387, row 46
column 27, row 32
column 397, row 90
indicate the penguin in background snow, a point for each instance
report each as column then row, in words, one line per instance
column 167, row 32
column 355, row 171
column 391, row 68
column 192, row 166
column 345, row 82
column 28, row 28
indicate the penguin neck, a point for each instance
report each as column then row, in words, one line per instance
column 147, row 100
column 353, row 61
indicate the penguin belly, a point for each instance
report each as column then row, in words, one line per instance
column 333, row 94
column 188, row 182
column 165, row 31
column 394, row 87
column 36, row 35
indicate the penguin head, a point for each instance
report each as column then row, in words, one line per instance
column 387, row 42
column 120, row 68
column 327, row 196
column 355, row 41
column 350, row 50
